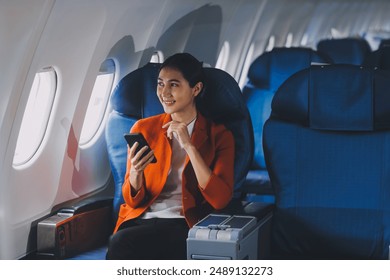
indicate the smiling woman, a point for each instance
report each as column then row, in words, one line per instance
column 154, row 221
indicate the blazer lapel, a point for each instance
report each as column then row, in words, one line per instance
column 199, row 136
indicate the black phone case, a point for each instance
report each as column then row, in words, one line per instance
column 131, row 138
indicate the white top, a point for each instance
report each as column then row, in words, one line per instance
column 169, row 203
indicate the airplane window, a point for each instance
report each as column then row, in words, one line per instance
column 305, row 39
column 271, row 43
column 223, row 56
column 289, row 40
column 36, row 115
column 247, row 64
column 98, row 101
column 157, row 57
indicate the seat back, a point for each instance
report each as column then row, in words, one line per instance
column 327, row 146
column 135, row 97
column 222, row 101
column 345, row 51
column 265, row 75
column 384, row 43
column 379, row 59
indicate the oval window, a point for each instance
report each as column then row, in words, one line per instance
column 36, row 115
column 98, row 102
column 223, row 56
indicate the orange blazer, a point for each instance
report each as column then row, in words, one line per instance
column 216, row 145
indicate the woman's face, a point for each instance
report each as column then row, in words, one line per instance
column 175, row 93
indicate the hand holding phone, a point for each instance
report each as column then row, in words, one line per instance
column 131, row 138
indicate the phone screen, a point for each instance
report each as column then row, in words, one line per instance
column 131, row 138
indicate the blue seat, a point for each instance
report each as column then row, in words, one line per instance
column 327, row 146
column 135, row 97
column 265, row 75
column 379, row 59
column 345, row 51
column 384, row 43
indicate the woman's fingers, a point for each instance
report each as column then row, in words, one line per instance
column 139, row 161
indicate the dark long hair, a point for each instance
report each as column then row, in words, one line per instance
column 188, row 65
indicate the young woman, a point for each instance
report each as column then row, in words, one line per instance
column 192, row 177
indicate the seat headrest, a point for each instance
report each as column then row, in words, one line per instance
column 346, row 50
column 220, row 99
column 379, row 58
column 384, row 43
column 272, row 68
column 335, row 97
column 135, row 95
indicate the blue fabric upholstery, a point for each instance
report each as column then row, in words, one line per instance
column 133, row 98
column 265, row 75
column 327, row 146
column 345, row 51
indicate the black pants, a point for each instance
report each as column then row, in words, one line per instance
column 153, row 239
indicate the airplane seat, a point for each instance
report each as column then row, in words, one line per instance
column 384, row 43
column 265, row 75
column 135, row 97
column 327, row 146
column 379, row 59
column 345, row 51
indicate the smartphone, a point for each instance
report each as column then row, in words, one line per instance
column 131, row 138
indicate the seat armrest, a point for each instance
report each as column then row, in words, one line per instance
column 86, row 205
column 263, row 211
column 75, row 229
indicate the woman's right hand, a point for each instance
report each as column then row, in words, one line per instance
column 138, row 165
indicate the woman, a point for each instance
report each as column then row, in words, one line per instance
column 192, row 177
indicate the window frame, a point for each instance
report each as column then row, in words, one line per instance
column 108, row 67
column 19, row 161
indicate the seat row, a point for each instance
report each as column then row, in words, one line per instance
column 325, row 146
column 271, row 69
column 355, row 51
column 272, row 121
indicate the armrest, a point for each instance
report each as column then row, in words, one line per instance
column 75, row 229
column 86, row 205
column 263, row 211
